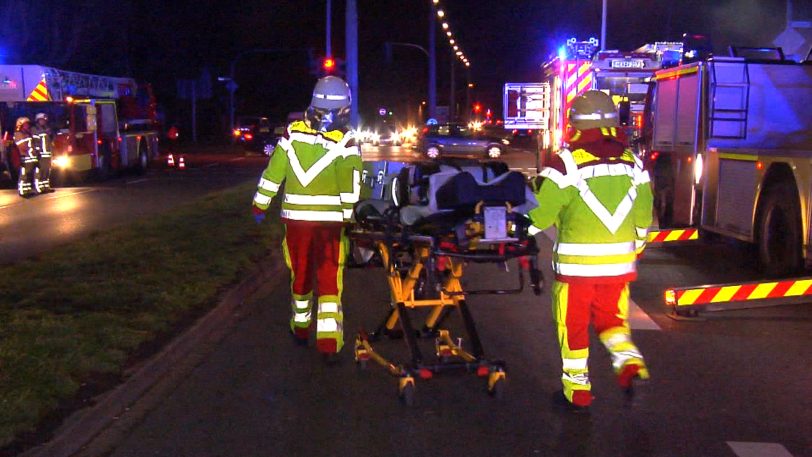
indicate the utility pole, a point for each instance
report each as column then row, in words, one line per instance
column 452, row 102
column 432, row 62
column 352, row 58
column 328, row 47
column 603, row 26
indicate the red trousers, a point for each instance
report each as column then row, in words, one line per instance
column 314, row 251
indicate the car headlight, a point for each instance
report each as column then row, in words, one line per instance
column 62, row 161
column 505, row 141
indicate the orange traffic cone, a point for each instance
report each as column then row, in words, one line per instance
column 170, row 160
column 181, row 163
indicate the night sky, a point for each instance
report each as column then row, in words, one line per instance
column 162, row 41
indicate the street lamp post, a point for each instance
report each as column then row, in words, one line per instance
column 432, row 55
column 603, row 25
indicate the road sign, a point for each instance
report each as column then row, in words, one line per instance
column 382, row 111
column 432, row 121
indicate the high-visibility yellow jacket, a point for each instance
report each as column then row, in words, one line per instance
column 599, row 198
column 321, row 172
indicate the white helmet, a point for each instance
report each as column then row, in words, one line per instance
column 40, row 116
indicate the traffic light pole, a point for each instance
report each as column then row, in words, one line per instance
column 432, row 61
column 352, row 58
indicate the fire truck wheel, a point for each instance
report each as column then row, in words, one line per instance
column 779, row 232
column 143, row 158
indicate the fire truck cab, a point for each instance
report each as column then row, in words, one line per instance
column 101, row 124
column 729, row 144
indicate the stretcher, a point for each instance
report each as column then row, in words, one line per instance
column 424, row 238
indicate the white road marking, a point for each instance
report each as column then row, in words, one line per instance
column 638, row 319
column 139, row 180
column 237, row 159
column 751, row 449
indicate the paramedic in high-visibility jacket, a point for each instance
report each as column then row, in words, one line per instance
column 599, row 198
column 320, row 165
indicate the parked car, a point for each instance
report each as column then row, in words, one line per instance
column 253, row 132
column 459, row 139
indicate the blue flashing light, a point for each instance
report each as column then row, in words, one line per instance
column 562, row 53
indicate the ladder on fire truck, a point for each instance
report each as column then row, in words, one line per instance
column 730, row 97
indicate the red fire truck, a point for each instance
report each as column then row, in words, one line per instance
column 102, row 124
column 577, row 68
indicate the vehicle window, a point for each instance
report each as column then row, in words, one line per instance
column 107, row 116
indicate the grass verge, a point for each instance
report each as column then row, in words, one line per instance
column 78, row 314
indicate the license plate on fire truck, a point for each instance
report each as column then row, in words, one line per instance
column 631, row 63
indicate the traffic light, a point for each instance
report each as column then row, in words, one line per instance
column 477, row 108
column 328, row 64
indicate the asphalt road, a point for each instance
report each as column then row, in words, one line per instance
column 733, row 384
column 31, row 226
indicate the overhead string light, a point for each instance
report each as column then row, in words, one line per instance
column 452, row 41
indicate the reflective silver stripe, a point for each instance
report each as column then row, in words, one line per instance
column 327, row 325
column 620, row 358
column 301, row 305
column 328, row 307
column 593, row 116
column 640, row 177
column 306, row 177
column 302, row 318
column 642, row 233
column 352, row 197
column 533, row 230
column 579, row 378
column 270, row 186
column 639, row 244
column 330, row 97
column 596, row 249
column 557, row 177
column 299, row 199
column 592, row 271
column 347, row 213
column 574, row 364
column 23, row 141
column 262, row 199
column 607, row 169
column 317, row 216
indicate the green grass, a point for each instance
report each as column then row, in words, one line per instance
column 83, row 310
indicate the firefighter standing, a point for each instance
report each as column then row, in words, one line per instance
column 320, row 165
column 599, row 198
column 28, row 156
column 43, row 143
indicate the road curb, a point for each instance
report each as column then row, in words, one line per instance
column 95, row 430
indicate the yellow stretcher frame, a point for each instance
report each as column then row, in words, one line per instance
column 450, row 295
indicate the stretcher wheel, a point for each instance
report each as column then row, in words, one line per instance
column 496, row 384
column 406, row 390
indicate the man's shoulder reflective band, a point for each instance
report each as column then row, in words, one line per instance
column 314, row 216
column 574, row 174
column 306, row 177
column 594, row 249
column 19, row 142
column 270, row 186
column 594, row 271
column 298, row 199
column 262, row 200
column 593, row 116
column 347, row 213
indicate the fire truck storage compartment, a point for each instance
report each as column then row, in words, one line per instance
column 736, row 196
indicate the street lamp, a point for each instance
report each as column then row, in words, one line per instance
column 440, row 14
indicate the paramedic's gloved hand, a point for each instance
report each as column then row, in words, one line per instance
column 259, row 215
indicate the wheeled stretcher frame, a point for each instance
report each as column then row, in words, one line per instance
column 418, row 265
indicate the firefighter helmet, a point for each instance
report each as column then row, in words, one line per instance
column 330, row 106
column 594, row 109
column 21, row 121
column 40, row 116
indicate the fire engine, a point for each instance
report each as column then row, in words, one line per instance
column 577, row 68
column 728, row 140
column 101, row 123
